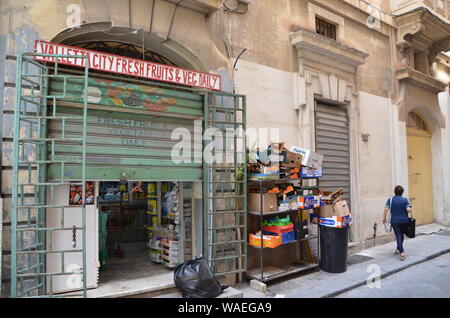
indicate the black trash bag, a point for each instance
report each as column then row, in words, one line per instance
column 195, row 279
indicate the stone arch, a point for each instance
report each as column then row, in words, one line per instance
column 105, row 31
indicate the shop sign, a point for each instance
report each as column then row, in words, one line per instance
column 124, row 65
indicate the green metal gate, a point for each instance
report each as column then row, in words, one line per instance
column 224, row 184
column 51, row 149
column 34, row 150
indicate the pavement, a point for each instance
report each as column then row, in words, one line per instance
column 229, row 292
column 429, row 279
column 431, row 242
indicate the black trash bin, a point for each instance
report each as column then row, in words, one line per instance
column 333, row 249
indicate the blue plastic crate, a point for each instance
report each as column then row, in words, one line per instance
column 286, row 237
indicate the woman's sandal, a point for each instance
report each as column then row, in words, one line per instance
column 396, row 252
column 402, row 257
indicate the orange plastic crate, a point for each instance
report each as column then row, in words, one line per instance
column 279, row 229
column 270, row 241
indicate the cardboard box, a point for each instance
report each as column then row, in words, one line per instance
column 339, row 208
column 293, row 159
column 308, row 201
column 270, row 203
column 336, row 221
column 326, row 211
column 309, row 158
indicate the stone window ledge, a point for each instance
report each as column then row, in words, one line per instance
column 318, row 44
column 420, row 79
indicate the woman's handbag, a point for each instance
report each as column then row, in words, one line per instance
column 411, row 228
column 388, row 225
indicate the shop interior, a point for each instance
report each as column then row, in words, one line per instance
column 145, row 229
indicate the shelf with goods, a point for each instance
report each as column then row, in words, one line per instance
column 164, row 230
column 293, row 212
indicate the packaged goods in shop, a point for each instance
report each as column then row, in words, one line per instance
column 290, row 203
column 336, row 221
column 308, row 201
column 270, row 241
column 151, row 189
column 269, row 202
column 283, row 205
column 307, row 172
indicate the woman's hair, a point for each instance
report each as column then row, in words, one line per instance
column 399, row 190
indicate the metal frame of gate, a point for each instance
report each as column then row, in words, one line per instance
column 31, row 238
column 225, row 225
column 224, row 185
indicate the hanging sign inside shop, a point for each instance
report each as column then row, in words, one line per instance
column 127, row 66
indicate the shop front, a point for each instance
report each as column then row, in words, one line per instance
column 133, row 151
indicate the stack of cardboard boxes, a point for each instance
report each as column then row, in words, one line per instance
column 334, row 212
column 275, row 163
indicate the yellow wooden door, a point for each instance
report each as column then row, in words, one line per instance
column 419, row 175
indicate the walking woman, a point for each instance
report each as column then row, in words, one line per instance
column 400, row 208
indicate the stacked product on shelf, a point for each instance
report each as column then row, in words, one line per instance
column 152, row 211
column 283, row 191
column 187, row 213
column 334, row 211
column 171, row 253
column 163, row 238
column 280, row 227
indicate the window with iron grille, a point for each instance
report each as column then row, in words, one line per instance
column 325, row 28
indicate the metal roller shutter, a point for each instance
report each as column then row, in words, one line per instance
column 333, row 140
column 129, row 129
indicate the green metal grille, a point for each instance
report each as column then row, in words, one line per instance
column 32, row 239
column 225, row 192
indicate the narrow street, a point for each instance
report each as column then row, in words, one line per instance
column 428, row 279
column 424, row 273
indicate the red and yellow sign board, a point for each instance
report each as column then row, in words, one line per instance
column 124, row 65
